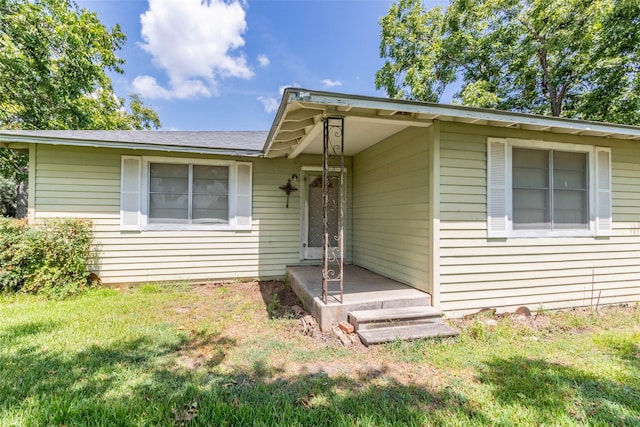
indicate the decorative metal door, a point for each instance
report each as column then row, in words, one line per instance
column 313, row 215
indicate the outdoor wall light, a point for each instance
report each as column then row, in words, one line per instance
column 288, row 188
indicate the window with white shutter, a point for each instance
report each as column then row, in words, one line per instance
column 161, row 193
column 545, row 189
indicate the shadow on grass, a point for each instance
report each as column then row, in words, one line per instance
column 559, row 394
column 25, row 330
column 139, row 382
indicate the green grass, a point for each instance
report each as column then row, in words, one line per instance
column 230, row 355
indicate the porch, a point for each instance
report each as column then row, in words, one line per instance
column 363, row 290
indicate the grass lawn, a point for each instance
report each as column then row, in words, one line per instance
column 234, row 355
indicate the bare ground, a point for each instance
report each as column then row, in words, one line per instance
column 232, row 325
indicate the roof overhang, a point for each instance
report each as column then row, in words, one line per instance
column 298, row 125
column 21, row 141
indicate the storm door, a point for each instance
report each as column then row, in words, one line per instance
column 312, row 236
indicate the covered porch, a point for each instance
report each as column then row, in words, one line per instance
column 363, row 290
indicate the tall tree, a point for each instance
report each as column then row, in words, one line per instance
column 572, row 58
column 54, row 65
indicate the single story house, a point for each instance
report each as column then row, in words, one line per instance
column 477, row 207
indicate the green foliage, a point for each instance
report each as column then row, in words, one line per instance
column 7, row 197
column 54, row 59
column 49, row 259
column 149, row 288
column 573, row 58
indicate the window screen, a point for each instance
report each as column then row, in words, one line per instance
column 550, row 189
column 188, row 194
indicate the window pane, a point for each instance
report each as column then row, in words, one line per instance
column 168, row 193
column 210, row 194
column 530, row 168
column 569, row 170
column 168, row 178
column 168, row 208
column 570, row 195
column 530, row 189
column 531, row 209
column 211, row 179
column 570, row 209
column 173, row 187
column 208, row 208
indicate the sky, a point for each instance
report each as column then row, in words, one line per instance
column 222, row 65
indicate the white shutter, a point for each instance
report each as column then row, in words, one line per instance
column 130, row 187
column 497, row 219
column 604, row 221
column 243, row 196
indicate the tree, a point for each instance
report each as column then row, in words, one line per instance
column 572, row 58
column 54, row 64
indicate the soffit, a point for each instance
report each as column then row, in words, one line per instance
column 298, row 128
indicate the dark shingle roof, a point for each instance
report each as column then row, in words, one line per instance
column 222, row 140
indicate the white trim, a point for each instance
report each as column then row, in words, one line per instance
column 31, row 184
column 137, row 193
column 304, row 210
column 590, row 150
column 604, row 192
column 242, row 192
column 498, row 177
column 144, row 195
column 434, row 211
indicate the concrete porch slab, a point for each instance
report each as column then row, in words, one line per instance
column 363, row 290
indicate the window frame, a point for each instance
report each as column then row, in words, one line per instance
column 240, row 203
column 510, row 143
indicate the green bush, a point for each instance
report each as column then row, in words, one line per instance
column 7, row 197
column 49, row 258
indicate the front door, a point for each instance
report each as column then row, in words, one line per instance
column 312, row 215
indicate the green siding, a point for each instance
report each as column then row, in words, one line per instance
column 478, row 272
column 391, row 208
column 85, row 182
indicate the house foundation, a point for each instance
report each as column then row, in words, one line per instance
column 363, row 290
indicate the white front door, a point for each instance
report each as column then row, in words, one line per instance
column 312, row 215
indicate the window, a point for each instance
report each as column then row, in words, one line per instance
column 549, row 190
column 188, row 194
column 165, row 193
column 541, row 189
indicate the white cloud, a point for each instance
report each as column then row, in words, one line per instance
column 193, row 42
column 331, row 83
column 271, row 103
column 263, row 60
column 148, row 87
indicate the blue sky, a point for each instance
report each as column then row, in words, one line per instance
column 217, row 65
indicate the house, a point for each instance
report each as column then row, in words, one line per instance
column 478, row 208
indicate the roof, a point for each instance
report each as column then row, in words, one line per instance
column 297, row 127
column 248, row 143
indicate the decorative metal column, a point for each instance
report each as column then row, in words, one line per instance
column 333, row 206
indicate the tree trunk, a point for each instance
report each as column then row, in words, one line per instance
column 21, row 200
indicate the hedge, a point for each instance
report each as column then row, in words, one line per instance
column 50, row 258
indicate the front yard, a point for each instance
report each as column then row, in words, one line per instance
column 234, row 354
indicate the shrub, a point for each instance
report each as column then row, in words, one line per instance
column 49, row 258
column 7, row 197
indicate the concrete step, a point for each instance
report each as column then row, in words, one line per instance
column 411, row 332
column 386, row 317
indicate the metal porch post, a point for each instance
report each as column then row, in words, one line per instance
column 333, row 244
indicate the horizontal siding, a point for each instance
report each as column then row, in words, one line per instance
column 391, row 208
column 85, row 182
column 476, row 272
